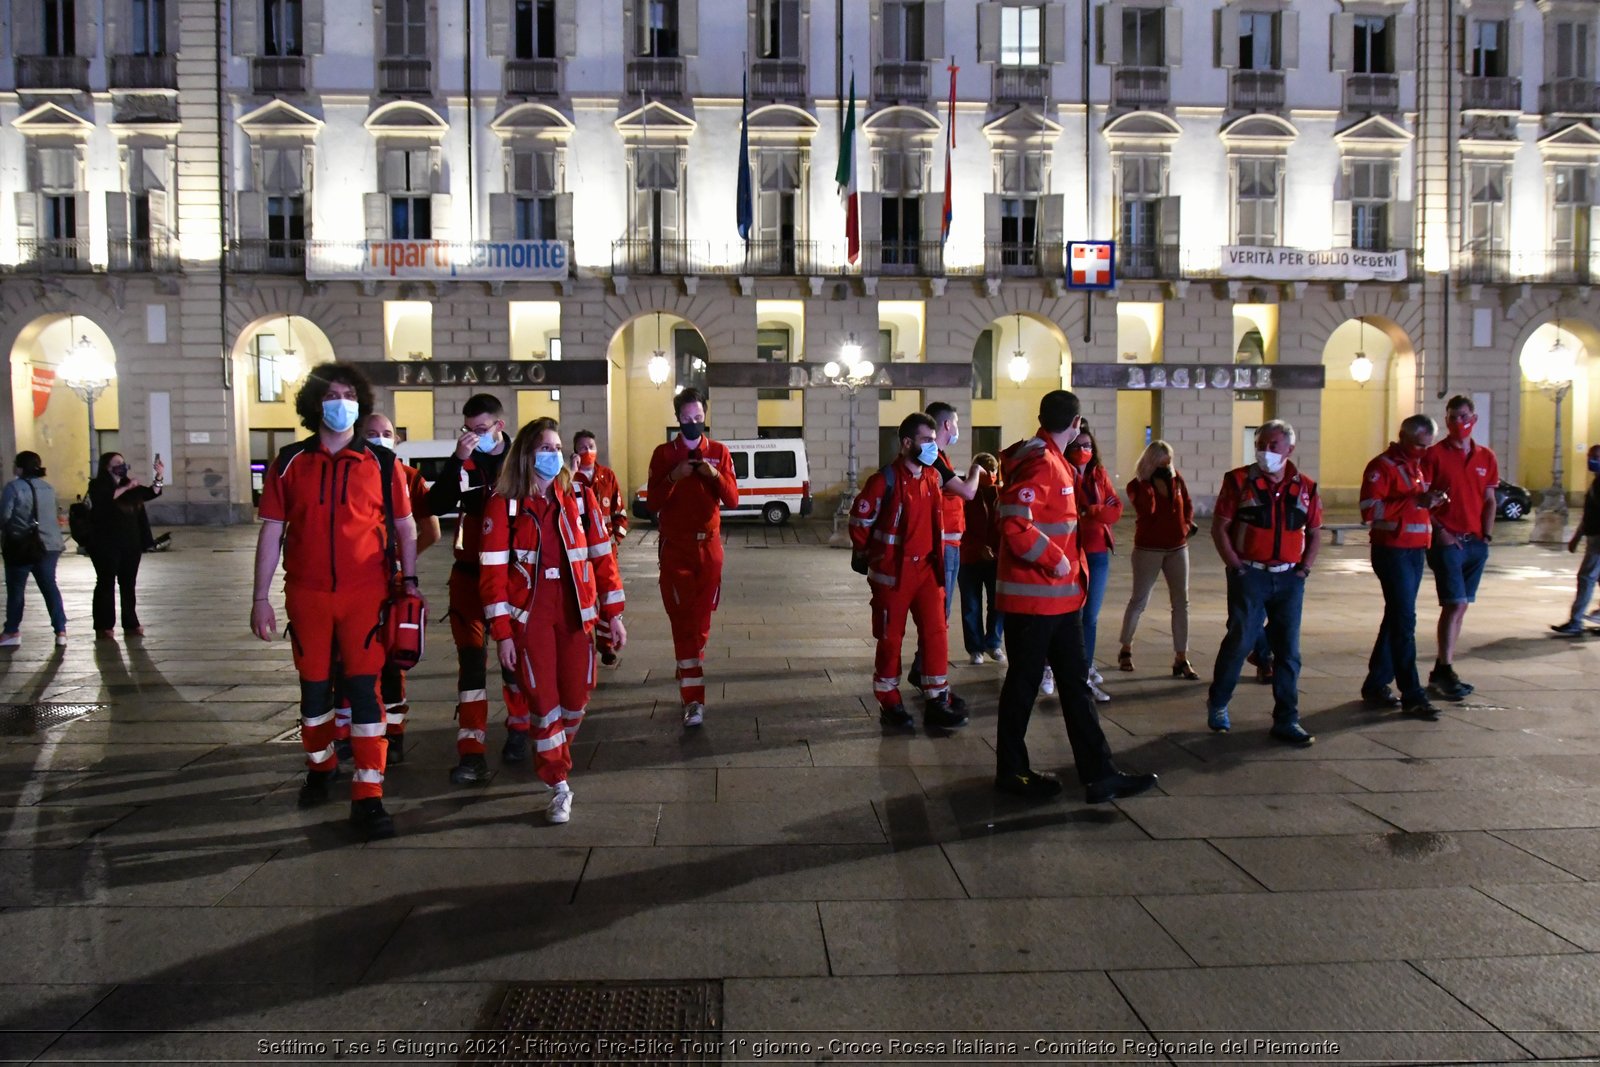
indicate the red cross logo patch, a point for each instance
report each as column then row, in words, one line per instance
column 1091, row 264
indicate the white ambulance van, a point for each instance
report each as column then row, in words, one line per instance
column 774, row 481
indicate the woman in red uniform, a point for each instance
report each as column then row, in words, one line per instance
column 547, row 575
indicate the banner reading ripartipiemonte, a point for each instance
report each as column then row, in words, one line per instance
column 489, row 261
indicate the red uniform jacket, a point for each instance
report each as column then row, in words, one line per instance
column 1098, row 510
column 1271, row 521
column 954, row 510
column 884, row 516
column 691, row 507
column 509, row 561
column 1161, row 522
column 1038, row 529
column 337, row 535
column 980, row 541
column 1389, row 500
column 602, row 482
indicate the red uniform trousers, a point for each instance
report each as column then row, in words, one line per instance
column 392, row 691
column 920, row 595
column 691, row 586
column 468, row 630
column 556, row 669
column 342, row 623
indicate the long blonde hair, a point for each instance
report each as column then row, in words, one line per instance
column 517, row 477
column 1154, row 453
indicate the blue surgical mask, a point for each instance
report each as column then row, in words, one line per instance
column 928, row 453
column 339, row 415
column 548, row 464
column 1594, row 464
column 955, row 435
column 486, row 442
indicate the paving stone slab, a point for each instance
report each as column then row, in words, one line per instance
column 1347, row 926
column 1246, row 777
column 353, row 877
column 1043, row 864
column 705, row 750
column 849, row 1019
column 1577, row 851
column 200, row 945
column 1541, row 809
column 517, row 821
column 616, row 876
column 978, row 936
column 1445, row 743
column 969, row 748
column 102, row 757
column 802, row 820
column 1413, row 774
column 1272, row 815
column 1550, row 1005
column 32, row 1016
column 636, row 939
column 228, row 1023
column 168, row 787
column 55, row 827
column 1571, row 911
column 1253, row 743
column 742, row 784
column 123, row 877
column 1393, row 860
column 1374, row 1012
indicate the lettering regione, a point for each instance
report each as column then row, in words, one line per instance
column 504, row 261
column 1309, row 265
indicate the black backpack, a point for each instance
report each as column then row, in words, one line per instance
column 80, row 521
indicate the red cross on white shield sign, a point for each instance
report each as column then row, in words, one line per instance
column 1091, row 264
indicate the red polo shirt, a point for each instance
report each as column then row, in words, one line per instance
column 1467, row 475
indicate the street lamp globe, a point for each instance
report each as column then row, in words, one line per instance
column 830, row 369
column 85, row 370
column 863, row 370
column 1017, row 368
column 660, row 368
column 1361, row 368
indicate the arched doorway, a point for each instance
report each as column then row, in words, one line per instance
column 49, row 417
column 270, row 360
column 653, row 355
column 1016, row 359
column 1369, row 386
column 1568, row 342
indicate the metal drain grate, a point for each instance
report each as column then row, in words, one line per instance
column 20, row 720
column 577, row 1024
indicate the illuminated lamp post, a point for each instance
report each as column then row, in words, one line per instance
column 848, row 373
column 1551, row 371
column 88, row 373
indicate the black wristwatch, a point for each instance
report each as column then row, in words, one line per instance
column 1304, row 572
column 412, row 578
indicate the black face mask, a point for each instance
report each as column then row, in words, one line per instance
column 119, row 472
column 692, row 431
column 1162, row 472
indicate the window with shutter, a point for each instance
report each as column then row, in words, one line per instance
column 1142, row 180
column 1488, row 57
column 282, row 28
column 1143, row 37
column 1372, row 45
column 778, row 25
column 1573, row 57
column 1256, row 186
column 1258, row 41
column 533, row 29
column 406, row 29
column 60, row 27
column 1571, row 199
column 904, row 31
column 1486, row 207
column 1021, row 36
column 659, row 28
column 149, row 29
column 1370, row 193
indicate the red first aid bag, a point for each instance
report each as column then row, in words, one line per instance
column 405, row 619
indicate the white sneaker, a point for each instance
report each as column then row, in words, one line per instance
column 977, row 659
column 694, row 714
column 997, row 654
column 1048, row 686
column 61, row 639
column 1094, row 675
column 10, row 640
column 560, row 809
column 1100, row 695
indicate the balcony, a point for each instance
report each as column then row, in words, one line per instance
column 778, row 79
column 1569, row 96
column 1021, row 85
column 903, row 258
column 1256, row 90
column 900, row 83
column 272, row 75
column 1140, row 88
column 655, row 76
column 1013, row 259
column 533, row 77
column 53, row 73
column 405, row 77
column 779, row 257
column 636, row 256
column 144, row 72
column 266, row 256
column 1481, row 266
column 1149, row 262
column 149, row 255
column 1377, row 94
column 54, row 255
column 1491, row 94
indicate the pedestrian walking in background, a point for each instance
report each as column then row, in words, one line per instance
column 1587, row 534
column 981, row 625
column 1041, row 591
column 548, row 575
column 121, row 535
column 1395, row 502
column 1099, row 508
column 1463, row 528
column 691, row 480
column 897, row 541
column 28, row 503
column 1163, row 522
column 1265, row 529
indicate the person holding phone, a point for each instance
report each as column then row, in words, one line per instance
column 121, row 534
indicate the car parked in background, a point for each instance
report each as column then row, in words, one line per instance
column 1512, row 501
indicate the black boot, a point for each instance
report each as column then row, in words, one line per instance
column 315, row 789
column 945, row 712
column 472, row 770
column 370, row 820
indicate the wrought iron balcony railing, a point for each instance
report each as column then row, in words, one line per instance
column 271, row 75
column 144, row 72
column 1374, row 93
column 1021, row 259
column 778, row 79
column 533, row 77
column 41, row 73
column 655, row 76
column 266, row 256
column 1570, row 96
column 901, row 83
column 1140, row 88
column 1021, row 85
column 1491, row 94
column 1256, row 90
column 405, row 77
column 54, row 254
column 154, row 255
column 1149, row 262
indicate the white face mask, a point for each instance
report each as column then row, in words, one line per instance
column 381, row 442
column 1271, row 462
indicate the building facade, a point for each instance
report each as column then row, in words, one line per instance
column 1332, row 212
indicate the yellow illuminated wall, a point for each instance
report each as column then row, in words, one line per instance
column 61, row 435
column 1579, row 426
column 1015, row 407
column 791, row 315
column 413, row 413
column 1355, row 417
column 407, row 329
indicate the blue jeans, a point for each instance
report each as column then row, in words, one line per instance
column 977, row 594
column 44, row 576
column 1252, row 596
column 1588, row 575
column 1099, row 571
column 1394, row 653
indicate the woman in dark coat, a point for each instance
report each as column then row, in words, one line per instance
column 121, row 534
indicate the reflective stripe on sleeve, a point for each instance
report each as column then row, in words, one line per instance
column 616, row 596
column 1416, row 527
column 494, row 559
column 1056, row 529
column 498, row 608
column 1028, row 589
column 1035, row 550
column 1016, row 511
column 882, row 579
column 602, row 549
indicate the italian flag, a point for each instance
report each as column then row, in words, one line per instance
column 846, row 177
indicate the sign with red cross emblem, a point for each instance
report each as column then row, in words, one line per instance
column 1091, row 264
